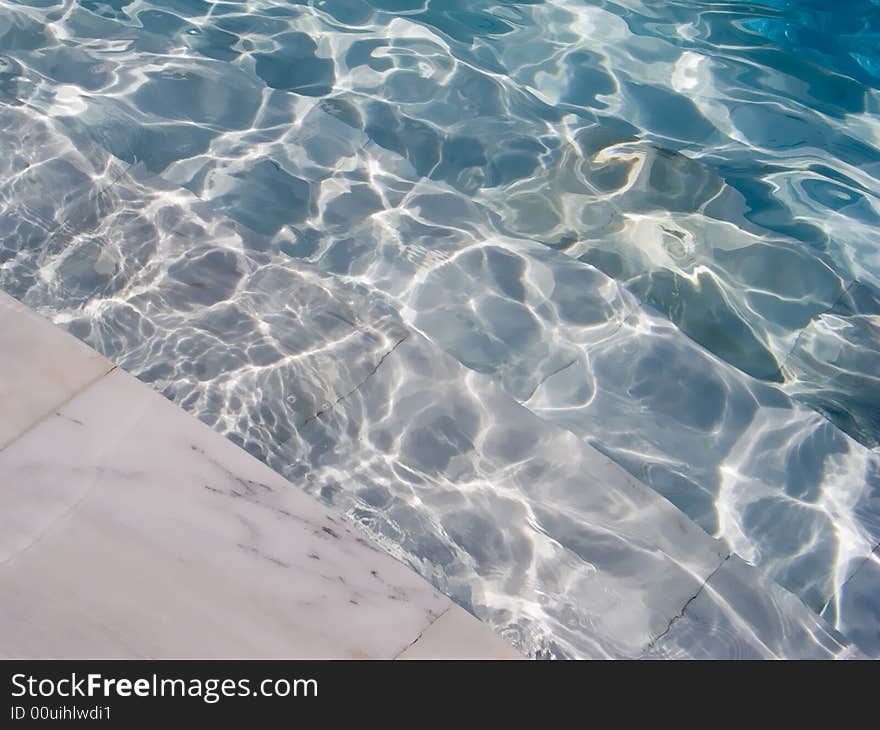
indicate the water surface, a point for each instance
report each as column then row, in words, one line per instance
column 653, row 224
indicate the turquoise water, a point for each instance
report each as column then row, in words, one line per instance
column 653, row 224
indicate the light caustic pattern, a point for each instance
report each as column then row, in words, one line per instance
column 653, row 225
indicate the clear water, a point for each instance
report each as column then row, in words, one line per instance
column 652, row 224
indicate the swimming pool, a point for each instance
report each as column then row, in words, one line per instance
column 414, row 254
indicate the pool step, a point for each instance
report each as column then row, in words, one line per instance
column 735, row 453
column 516, row 519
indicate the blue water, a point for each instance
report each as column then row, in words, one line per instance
column 653, row 224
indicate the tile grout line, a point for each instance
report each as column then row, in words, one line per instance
column 54, row 411
column 425, row 630
column 862, row 563
column 681, row 613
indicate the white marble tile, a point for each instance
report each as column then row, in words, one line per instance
column 458, row 635
column 41, row 367
column 130, row 529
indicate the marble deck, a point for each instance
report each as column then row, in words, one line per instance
column 130, row 529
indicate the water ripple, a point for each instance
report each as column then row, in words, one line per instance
column 652, row 224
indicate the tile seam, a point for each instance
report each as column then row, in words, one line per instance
column 53, row 411
column 427, row 628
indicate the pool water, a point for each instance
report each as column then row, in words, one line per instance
column 653, row 225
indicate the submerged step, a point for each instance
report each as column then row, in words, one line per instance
column 537, row 532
